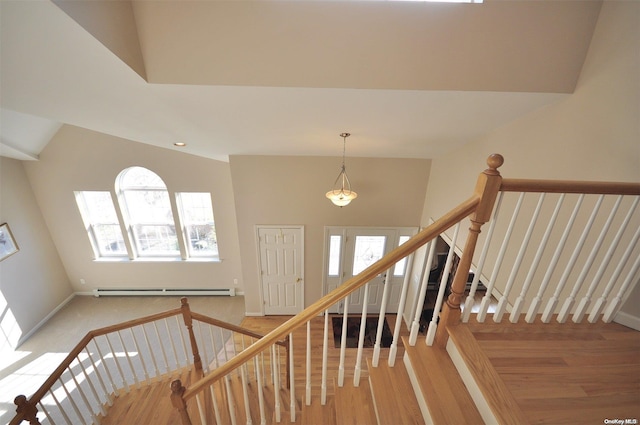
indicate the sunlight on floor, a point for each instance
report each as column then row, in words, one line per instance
column 28, row 379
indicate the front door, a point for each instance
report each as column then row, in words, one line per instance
column 281, row 269
column 353, row 249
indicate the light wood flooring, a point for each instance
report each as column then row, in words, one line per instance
column 566, row 373
column 557, row 374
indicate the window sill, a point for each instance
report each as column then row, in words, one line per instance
column 157, row 260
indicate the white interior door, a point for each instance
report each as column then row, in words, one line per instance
column 350, row 251
column 281, row 269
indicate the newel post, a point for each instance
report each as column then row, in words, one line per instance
column 188, row 321
column 177, row 390
column 487, row 188
column 27, row 409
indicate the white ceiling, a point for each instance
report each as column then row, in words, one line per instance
column 408, row 80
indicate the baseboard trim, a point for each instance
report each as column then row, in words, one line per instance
column 253, row 314
column 33, row 330
column 627, row 320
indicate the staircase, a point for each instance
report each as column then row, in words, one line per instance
column 547, row 353
column 517, row 373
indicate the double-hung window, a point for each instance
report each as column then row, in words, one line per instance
column 196, row 215
column 102, row 224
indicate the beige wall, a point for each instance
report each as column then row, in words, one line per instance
column 291, row 190
column 33, row 282
column 79, row 159
column 591, row 135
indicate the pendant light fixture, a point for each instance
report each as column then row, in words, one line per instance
column 342, row 194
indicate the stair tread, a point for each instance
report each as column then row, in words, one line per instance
column 353, row 404
column 394, row 400
column 443, row 390
column 501, row 401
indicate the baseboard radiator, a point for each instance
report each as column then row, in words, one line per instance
column 231, row 292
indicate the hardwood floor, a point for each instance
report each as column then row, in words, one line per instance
column 557, row 373
column 566, row 373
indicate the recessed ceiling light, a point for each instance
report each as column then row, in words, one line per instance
column 180, row 144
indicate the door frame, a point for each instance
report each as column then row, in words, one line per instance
column 259, row 260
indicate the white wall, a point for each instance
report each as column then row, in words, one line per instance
column 33, row 282
column 291, row 190
column 79, row 159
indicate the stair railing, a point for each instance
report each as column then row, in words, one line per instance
column 590, row 228
column 478, row 205
column 113, row 360
column 489, row 193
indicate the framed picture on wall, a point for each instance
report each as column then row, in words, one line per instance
column 8, row 245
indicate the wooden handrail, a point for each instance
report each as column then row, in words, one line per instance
column 351, row 285
column 230, row 327
column 57, row 373
column 569, row 186
column 84, row 342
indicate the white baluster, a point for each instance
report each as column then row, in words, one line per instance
column 486, row 300
column 292, row 382
column 214, row 348
column 537, row 300
column 106, row 394
column 162, row 350
column 381, row 317
column 433, row 324
column 245, row 395
column 230, row 401
column 126, row 355
column 173, row 345
column 125, row 384
column 203, row 416
column 470, row 301
column 263, row 417
column 519, row 304
column 502, row 304
column 151, row 352
column 325, row 347
column 224, row 345
column 214, row 400
column 144, row 366
column 393, row 350
column 566, row 307
column 60, row 408
column 184, row 343
column 71, row 401
column 92, row 387
column 415, row 325
column 597, row 308
column 46, row 413
column 553, row 301
column 614, row 305
column 308, row 367
column 363, row 328
column 81, row 392
column 276, row 386
column 578, row 315
column 343, row 341
column 203, row 349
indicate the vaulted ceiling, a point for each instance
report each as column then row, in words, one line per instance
column 407, row 79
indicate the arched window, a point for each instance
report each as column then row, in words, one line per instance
column 153, row 230
column 145, row 204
